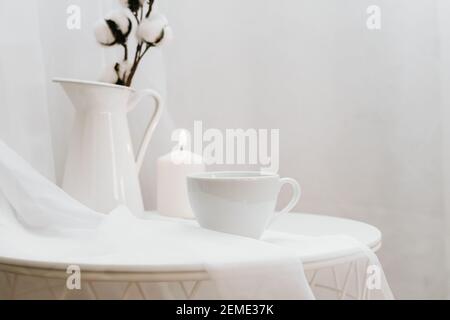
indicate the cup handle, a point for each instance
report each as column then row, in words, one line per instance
column 296, row 194
column 135, row 99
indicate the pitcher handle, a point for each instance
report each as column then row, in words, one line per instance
column 135, row 99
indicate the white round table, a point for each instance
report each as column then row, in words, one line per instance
column 329, row 272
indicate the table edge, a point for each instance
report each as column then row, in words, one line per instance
column 26, row 265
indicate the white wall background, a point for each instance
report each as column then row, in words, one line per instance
column 359, row 111
column 444, row 40
column 362, row 114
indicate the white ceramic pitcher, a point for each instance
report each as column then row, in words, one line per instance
column 101, row 169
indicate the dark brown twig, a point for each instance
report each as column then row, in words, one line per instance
column 139, row 54
column 150, row 7
column 136, row 17
column 125, row 52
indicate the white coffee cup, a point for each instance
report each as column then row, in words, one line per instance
column 241, row 203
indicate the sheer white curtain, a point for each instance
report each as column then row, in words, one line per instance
column 24, row 122
column 363, row 115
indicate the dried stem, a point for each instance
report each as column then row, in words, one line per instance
column 138, row 59
column 139, row 54
column 125, row 52
column 150, row 6
column 136, row 17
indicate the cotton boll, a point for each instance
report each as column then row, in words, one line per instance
column 103, row 33
column 115, row 28
column 150, row 30
column 109, row 75
column 124, row 3
column 157, row 15
column 116, row 73
column 167, row 37
column 121, row 20
column 124, row 69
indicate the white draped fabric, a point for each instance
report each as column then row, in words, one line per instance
column 43, row 224
column 362, row 114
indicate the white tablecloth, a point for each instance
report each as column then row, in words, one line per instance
column 40, row 221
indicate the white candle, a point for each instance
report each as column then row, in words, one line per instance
column 172, row 170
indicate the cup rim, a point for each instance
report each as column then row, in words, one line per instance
column 232, row 175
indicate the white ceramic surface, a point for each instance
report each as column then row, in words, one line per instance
column 101, row 169
column 241, row 203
